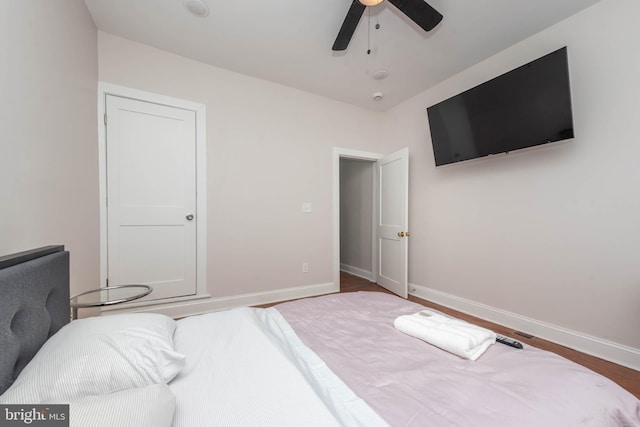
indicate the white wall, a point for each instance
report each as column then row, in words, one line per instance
column 269, row 150
column 356, row 216
column 48, row 149
column 551, row 234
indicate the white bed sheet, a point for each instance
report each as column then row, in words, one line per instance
column 246, row 367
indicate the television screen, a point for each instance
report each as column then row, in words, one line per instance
column 525, row 107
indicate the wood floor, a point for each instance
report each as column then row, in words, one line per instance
column 625, row 377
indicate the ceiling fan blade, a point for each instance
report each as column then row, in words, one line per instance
column 419, row 12
column 349, row 26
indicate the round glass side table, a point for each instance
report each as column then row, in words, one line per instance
column 107, row 296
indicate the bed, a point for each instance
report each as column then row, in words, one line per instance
column 324, row 361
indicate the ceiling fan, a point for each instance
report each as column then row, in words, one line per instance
column 416, row 10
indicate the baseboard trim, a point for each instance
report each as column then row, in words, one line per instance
column 191, row 308
column 608, row 350
column 364, row 274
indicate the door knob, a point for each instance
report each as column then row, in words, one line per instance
column 400, row 233
column 190, row 217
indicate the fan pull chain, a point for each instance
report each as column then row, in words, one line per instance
column 377, row 27
column 369, row 33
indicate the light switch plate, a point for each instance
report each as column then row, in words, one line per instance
column 306, row 208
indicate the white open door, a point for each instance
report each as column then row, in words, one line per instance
column 151, row 196
column 392, row 221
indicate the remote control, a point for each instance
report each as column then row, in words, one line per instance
column 508, row 341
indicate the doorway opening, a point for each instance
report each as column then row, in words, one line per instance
column 342, row 157
column 363, row 179
column 357, row 232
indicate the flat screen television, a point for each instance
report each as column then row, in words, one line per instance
column 522, row 108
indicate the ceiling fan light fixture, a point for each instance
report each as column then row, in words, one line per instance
column 419, row 11
column 370, row 2
column 197, row 7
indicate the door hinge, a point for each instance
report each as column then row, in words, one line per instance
column 105, row 119
column 107, row 282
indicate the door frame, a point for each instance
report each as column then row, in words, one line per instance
column 105, row 89
column 345, row 153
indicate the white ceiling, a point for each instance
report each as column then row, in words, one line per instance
column 289, row 41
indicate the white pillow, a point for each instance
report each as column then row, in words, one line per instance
column 151, row 406
column 99, row 355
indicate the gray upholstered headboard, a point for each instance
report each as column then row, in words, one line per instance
column 34, row 304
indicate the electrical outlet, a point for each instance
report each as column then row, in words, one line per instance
column 305, row 267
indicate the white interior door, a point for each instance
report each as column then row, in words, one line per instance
column 392, row 221
column 151, row 196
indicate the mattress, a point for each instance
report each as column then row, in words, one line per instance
column 409, row 382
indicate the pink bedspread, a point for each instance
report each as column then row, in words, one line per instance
column 411, row 383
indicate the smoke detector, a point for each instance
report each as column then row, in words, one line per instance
column 378, row 96
column 197, row 7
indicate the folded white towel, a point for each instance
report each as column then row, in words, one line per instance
column 453, row 335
